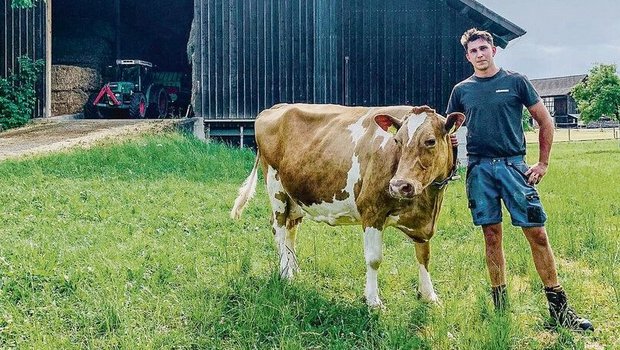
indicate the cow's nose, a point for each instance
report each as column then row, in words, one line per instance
column 401, row 188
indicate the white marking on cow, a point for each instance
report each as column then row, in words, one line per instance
column 413, row 123
column 426, row 286
column 285, row 241
column 386, row 136
column 391, row 220
column 357, row 130
column 373, row 254
column 339, row 212
column 274, row 186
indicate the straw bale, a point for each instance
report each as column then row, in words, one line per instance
column 68, row 102
column 69, row 78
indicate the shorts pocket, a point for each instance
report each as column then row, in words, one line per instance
column 521, row 168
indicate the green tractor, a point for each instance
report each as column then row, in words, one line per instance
column 133, row 93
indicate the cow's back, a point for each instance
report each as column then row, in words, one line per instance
column 299, row 127
column 313, row 147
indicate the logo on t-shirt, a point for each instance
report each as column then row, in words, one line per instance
column 502, row 90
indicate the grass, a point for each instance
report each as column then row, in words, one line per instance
column 130, row 246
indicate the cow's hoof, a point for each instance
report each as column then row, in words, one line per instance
column 287, row 273
column 430, row 298
column 375, row 303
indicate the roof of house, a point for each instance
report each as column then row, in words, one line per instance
column 502, row 29
column 556, row 86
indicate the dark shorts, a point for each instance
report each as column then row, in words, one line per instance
column 491, row 179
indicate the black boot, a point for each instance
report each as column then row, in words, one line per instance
column 500, row 297
column 563, row 314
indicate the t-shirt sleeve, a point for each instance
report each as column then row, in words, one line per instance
column 529, row 95
column 454, row 103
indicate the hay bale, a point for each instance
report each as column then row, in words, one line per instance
column 69, row 78
column 68, row 102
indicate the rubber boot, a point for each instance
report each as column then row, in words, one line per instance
column 563, row 314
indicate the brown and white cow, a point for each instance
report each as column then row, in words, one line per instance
column 374, row 166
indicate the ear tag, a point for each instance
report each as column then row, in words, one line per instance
column 392, row 129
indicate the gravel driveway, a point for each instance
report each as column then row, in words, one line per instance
column 53, row 134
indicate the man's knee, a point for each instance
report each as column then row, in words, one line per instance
column 536, row 235
column 492, row 235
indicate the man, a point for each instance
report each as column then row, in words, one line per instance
column 492, row 100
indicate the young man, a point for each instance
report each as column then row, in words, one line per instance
column 492, row 100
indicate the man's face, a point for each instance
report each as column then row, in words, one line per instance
column 480, row 54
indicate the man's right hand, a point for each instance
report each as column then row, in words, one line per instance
column 454, row 140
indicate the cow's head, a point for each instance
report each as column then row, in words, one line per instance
column 426, row 150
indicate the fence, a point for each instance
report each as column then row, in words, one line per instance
column 578, row 134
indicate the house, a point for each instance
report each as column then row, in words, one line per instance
column 555, row 93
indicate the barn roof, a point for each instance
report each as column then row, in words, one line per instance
column 502, row 29
column 556, row 86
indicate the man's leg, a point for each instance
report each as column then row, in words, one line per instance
column 496, row 263
column 542, row 255
column 544, row 261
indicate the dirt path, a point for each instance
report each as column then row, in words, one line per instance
column 57, row 134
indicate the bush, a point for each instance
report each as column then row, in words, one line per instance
column 17, row 94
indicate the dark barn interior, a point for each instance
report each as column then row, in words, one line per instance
column 93, row 34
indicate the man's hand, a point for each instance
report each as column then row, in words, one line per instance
column 454, row 141
column 536, row 173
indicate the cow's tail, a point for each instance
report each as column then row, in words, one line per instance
column 246, row 192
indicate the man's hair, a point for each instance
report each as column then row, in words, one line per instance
column 475, row 34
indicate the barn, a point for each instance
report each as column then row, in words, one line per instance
column 242, row 56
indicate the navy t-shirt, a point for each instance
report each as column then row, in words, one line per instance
column 493, row 108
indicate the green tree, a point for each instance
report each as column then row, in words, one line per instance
column 23, row 3
column 599, row 94
column 526, row 120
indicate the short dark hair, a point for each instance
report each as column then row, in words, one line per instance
column 475, row 34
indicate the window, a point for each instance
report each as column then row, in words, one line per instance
column 548, row 102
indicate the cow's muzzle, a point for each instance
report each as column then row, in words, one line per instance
column 403, row 189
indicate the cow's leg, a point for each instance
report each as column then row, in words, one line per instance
column 285, row 237
column 422, row 254
column 373, row 254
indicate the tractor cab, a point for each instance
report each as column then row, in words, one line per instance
column 137, row 72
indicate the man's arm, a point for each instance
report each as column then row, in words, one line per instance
column 545, row 139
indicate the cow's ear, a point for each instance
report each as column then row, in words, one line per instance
column 388, row 123
column 454, row 122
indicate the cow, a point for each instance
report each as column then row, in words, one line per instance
column 374, row 166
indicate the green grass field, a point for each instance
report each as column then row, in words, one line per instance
column 129, row 246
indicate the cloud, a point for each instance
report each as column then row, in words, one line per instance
column 564, row 37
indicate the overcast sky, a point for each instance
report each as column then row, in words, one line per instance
column 564, row 37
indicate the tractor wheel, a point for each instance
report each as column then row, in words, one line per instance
column 137, row 106
column 158, row 108
column 90, row 110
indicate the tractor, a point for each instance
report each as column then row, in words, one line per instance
column 133, row 93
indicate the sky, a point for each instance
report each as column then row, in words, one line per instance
column 564, row 37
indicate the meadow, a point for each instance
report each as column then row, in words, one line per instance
column 129, row 246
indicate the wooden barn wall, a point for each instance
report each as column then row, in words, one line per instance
column 356, row 52
column 22, row 33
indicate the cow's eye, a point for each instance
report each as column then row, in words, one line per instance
column 430, row 143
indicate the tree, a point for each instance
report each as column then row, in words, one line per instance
column 526, row 120
column 599, row 94
column 23, row 3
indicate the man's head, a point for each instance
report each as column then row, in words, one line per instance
column 475, row 34
column 479, row 51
